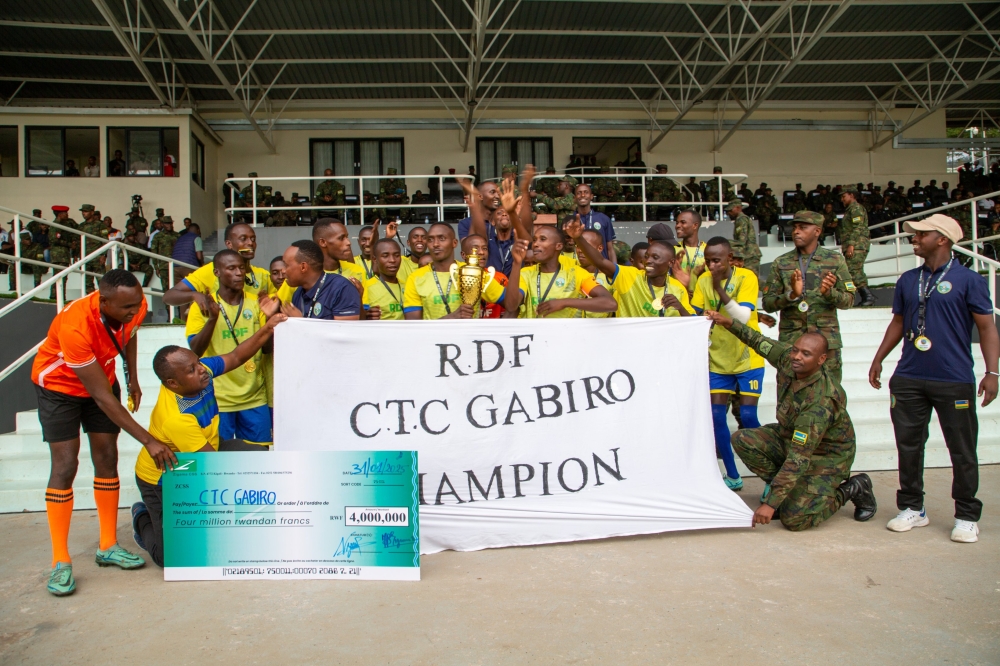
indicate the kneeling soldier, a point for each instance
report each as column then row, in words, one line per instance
column 805, row 459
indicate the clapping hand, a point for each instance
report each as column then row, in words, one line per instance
column 798, row 284
column 212, row 308
column 829, row 280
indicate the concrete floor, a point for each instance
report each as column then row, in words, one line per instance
column 845, row 593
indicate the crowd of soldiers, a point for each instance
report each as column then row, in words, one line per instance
column 56, row 246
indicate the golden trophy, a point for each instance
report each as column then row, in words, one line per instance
column 469, row 278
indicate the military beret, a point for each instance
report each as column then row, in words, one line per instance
column 60, row 209
column 662, row 166
column 733, row 204
column 87, row 208
column 569, row 179
column 391, row 171
column 159, row 211
column 252, row 174
column 849, row 189
column 808, row 217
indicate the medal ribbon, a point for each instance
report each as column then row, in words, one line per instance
column 444, row 297
column 120, row 347
column 924, row 294
column 538, row 284
column 652, row 294
column 368, row 267
column 804, row 269
column 691, row 263
column 319, row 290
column 222, row 308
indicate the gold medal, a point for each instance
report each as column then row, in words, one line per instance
column 250, row 366
column 803, row 307
column 922, row 343
column 131, row 404
column 658, row 304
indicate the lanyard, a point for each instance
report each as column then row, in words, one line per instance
column 386, row 285
column 444, row 297
column 308, row 313
column 368, row 267
column 250, row 278
column 725, row 288
column 692, row 263
column 538, row 284
column 924, row 294
column 804, row 269
column 120, row 347
column 222, row 308
column 652, row 294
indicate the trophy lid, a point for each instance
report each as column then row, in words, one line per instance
column 474, row 257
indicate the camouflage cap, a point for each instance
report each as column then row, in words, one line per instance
column 508, row 168
column 605, row 168
column 623, row 252
column 159, row 211
column 662, row 167
column 167, row 220
column 87, row 208
column 570, row 179
column 252, row 174
column 808, row 217
column 391, row 171
column 734, row 204
column 849, row 189
column 737, row 249
column 717, row 169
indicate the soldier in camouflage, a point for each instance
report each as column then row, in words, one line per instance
column 607, row 189
column 138, row 263
column 565, row 203
column 163, row 245
column 808, row 285
column 136, row 223
column 767, row 209
column 805, row 458
column 855, row 242
column 93, row 224
column 712, row 189
column 798, row 201
column 30, row 249
column 334, row 188
column 548, row 185
column 392, row 192
column 662, row 189
column 745, row 235
column 62, row 244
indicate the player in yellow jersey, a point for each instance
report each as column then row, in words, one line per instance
column 383, row 297
column 416, row 241
column 597, row 242
column 364, row 257
column 691, row 252
column 733, row 290
column 332, row 237
column 548, row 288
column 639, row 292
column 234, row 315
column 186, row 419
column 241, row 238
column 430, row 291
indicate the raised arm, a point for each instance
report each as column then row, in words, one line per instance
column 574, row 229
column 524, row 221
column 199, row 343
column 774, row 351
column 478, row 225
column 512, row 296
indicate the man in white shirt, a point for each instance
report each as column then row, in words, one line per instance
column 92, row 170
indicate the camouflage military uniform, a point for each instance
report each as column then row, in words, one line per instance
column 563, row 205
column 854, row 233
column 821, row 317
column 662, row 189
column 136, row 224
column 767, row 211
column 745, row 235
column 29, row 250
column 808, row 453
column 712, row 191
column 97, row 228
column 623, row 252
column 332, row 187
column 797, row 203
column 548, row 186
column 831, row 225
column 139, row 263
column 392, row 192
column 163, row 245
column 62, row 247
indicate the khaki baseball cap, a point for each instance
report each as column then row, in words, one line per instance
column 942, row 224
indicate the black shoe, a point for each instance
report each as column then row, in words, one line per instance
column 858, row 489
column 867, row 297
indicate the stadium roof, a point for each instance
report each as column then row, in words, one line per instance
column 259, row 57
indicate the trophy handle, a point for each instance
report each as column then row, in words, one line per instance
column 492, row 272
column 454, row 273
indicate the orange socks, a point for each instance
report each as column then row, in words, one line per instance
column 59, row 508
column 106, row 499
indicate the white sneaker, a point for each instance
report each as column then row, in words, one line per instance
column 965, row 531
column 908, row 519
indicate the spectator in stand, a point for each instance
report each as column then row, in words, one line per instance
column 116, row 167
column 71, row 169
column 169, row 164
column 434, row 186
column 92, row 170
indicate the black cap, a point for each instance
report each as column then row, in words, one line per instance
column 661, row 232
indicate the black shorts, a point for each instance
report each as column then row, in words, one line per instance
column 62, row 415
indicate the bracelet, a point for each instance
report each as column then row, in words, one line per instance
column 995, row 374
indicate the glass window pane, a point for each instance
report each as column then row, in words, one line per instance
column 392, row 156
column 45, row 152
column 197, row 162
column 370, row 165
column 8, row 152
column 171, row 152
column 144, row 153
column 82, row 143
column 322, row 157
column 524, row 152
column 344, row 165
column 543, row 156
column 503, row 154
column 116, row 151
column 487, row 160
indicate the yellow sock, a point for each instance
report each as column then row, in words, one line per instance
column 59, row 509
column 106, row 498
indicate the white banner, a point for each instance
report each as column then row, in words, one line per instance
column 528, row 431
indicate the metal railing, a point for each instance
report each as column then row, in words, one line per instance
column 117, row 252
column 899, row 234
column 639, row 182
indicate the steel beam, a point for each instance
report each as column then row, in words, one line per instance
column 133, row 54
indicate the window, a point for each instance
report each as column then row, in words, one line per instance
column 492, row 154
column 363, row 157
column 197, row 162
column 143, row 151
column 8, row 152
column 61, row 151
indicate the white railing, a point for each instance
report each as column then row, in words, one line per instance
column 638, row 181
column 899, row 234
column 104, row 247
